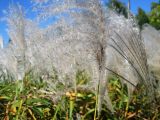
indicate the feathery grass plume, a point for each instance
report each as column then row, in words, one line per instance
column 64, row 54
column 1, row 42
column 85, row 34
column 116, row 64
column 127, row 41
column 15, row 19
column 34, row 37
column 152, row 42
column 8, row 65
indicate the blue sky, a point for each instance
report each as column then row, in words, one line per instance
column 144, row 4
column 3, row 6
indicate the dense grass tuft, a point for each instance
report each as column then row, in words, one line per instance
column 32, row 102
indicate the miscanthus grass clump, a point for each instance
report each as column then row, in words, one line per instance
column 85, row 38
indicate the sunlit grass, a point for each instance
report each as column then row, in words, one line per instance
column 29, row 103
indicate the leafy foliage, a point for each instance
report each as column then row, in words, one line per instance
column 32, row 103
column 118, row 6
column 151, row 18
column 142, row 17
column 155, row 15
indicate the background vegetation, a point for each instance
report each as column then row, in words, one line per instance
column 152, row 17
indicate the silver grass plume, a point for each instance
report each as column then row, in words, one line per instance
column 87, row 20
column 8, row 65
column 1, row 42
column 151, row 38
column 14, row 17
column 126, row 40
